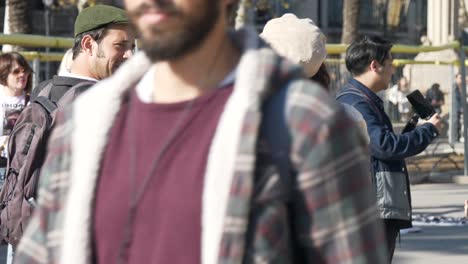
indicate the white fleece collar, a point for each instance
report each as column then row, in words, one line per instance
column 144, row 88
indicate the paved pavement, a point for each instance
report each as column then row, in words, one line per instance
column 436, row 244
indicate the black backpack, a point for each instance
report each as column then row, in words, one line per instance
column 26, row 153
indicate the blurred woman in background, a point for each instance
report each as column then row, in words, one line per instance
column 15, row 87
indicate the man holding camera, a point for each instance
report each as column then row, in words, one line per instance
column 370, row 62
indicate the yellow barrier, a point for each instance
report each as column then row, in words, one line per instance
column 402, row 62
column 336, row 49
column 36, row 41
column 26, row 40
column 51, row 56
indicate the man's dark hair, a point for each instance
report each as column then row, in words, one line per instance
column 96, row 34
column 435, row 86
column 363, row 51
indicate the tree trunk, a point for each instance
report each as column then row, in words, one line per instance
column 394, row 12
column 351, row 10
column 17, row 20
column 6, row 28
column 19, row 14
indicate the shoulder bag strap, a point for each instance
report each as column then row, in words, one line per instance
column 358, row 92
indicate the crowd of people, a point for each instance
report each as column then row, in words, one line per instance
column 207, row 146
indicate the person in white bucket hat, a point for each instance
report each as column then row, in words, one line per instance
column 302, row 42
column 298, row 40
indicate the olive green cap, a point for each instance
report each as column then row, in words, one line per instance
column 98, row 16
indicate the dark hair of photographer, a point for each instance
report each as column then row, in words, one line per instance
column 361, row 53
column 435, row 86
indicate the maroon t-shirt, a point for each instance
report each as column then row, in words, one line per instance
column 167, row 226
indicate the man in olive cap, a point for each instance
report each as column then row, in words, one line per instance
column 102, row 43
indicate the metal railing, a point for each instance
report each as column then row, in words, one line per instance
column 38, row 41
column 35, row 41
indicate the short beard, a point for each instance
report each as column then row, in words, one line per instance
column 193, row 31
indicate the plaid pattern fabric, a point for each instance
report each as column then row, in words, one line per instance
column 325, row 213
column 41, row 240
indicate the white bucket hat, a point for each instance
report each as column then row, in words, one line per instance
column 298, row 40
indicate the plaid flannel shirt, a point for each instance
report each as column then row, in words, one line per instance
column 326, row 213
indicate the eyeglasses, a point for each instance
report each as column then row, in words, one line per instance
column 20, row 70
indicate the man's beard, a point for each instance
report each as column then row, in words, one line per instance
column 190, row 32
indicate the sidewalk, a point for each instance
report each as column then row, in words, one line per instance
column 436, row 244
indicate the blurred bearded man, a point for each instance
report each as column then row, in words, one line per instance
column 208, row 148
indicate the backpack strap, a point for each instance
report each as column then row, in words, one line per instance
column 46, row 103
column 359, row 93
column 47, row 89
column 27, row 98
column 70, row 95
column 276, row 131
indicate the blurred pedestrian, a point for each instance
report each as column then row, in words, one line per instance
column 457, row 89
column 435, row 97
column 102, row 43
column 302, row 42
column 466, row 208
column 392, row 96
column 404, row 106
column 370, row 62
column 207, row 148
column 15, row 90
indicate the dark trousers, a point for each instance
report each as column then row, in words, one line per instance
column 391, row 233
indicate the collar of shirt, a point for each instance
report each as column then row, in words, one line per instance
column 72, row 75
column 144, row 88
column 373, row 96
